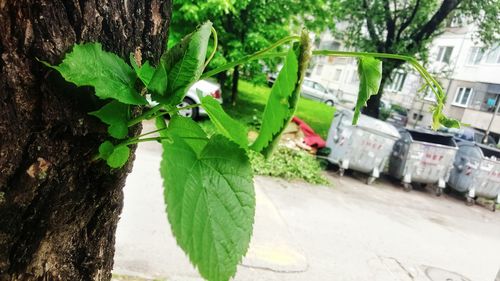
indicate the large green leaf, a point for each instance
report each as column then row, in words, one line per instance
column 184, row 64
column 370, row 74
column 210, row 198
column 155, row 79
column 88, row 65
column 284, row 96
column 226, row 125
column 189, row 131
column 115, row 115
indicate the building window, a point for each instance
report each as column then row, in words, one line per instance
column 475, row 55
column 429, row 94
column 418, row 116
column 336, row 74
column 463, row 96
column 398, row 80
column 444, row 54
column 330, row 45
column 493, row 55
column 354, row 78
column 319, row 69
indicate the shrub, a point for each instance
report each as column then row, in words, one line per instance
column 289, row 164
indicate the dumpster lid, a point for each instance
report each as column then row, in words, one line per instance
column 373, row 124
column 432, row 137
column 489, row 152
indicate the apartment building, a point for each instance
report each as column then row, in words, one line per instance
column 468, row 72
column 470, row 76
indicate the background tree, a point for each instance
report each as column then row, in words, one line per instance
column 246, row 26
column 58, row 208
column 407, row 28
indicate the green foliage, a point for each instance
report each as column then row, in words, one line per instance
column 88, row 65
column 245, row 26
column 154, row 79
column 144, row 72
column 211, row 211
column 285, row 93
column 115, row 156
column 208, row 180
column 114, row 114
column 288, row 164
column 408, row 27
column 226, row 125
column 251, row 102
column 370, row 74
column 184, row 64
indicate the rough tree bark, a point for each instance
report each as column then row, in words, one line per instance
column 58, row 209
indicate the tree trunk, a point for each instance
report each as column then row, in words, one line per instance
column 234, row 84
column 58, row 208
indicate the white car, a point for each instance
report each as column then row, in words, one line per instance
column 314, row 90
column 199, row 90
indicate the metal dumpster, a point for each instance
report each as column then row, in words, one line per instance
column 476, row 172
column 423, row 157
column 365, row 147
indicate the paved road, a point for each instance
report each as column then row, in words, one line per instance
column 349, row 231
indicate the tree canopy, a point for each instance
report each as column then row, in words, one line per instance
column 248, row 26
column 407, row 27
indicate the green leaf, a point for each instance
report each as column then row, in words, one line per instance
column 449, row 122
column 105, row 149
column 190, row 131
column 144, row 72
column 210, row 200
column 438, row 118
column 115, row 156
column 155, row 79
column 370, row 74
column 115, row 115
column 284, row 96
column 159, row 81
column 226, row 125
column 88, row 65
column 184, row 64
column 118, row 157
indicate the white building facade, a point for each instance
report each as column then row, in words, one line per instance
column 468, row 73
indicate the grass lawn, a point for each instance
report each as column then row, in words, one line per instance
column 253, row 98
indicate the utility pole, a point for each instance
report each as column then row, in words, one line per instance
column 485, row 140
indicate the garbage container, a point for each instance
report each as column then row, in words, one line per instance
column 364, row 147
column 476, row 172
column 423, row 157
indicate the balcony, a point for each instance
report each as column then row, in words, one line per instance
column 481, row 120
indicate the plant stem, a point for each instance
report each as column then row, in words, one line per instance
column 145, row 115
column 175, row 110
column 150, row 114
column 253, row 56
column 134, row 141
column 431, row 81
column 214, row 33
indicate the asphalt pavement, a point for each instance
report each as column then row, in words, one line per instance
column 347, row 231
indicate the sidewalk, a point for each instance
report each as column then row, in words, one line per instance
column 350, row 231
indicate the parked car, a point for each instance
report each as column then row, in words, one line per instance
column 398, row 116
column 311, row 90
column 472, row 135
column 314, row 90
column 197, row 91
column 271, row 78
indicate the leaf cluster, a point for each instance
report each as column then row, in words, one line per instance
column 208, row 185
